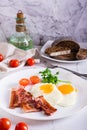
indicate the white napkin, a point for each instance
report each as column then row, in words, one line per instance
column 11, row 52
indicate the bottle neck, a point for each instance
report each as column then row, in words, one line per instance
column 20, row 28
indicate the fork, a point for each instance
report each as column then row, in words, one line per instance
column 74, row 72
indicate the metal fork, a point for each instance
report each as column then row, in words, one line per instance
column 74, row 72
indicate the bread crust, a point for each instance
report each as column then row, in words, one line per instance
column 74, row 46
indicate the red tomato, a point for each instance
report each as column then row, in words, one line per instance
column 14, row 63
column 34, row 79
column 24, row 82
column 30, row 61
column 1, row 57
column 5, row 124
column 21, row 126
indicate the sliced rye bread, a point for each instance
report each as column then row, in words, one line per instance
column 82, row 54
column 68, row 57
column 57, row 50
column 74, row 46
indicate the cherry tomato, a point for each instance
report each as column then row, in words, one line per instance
column 34, row 79
column 21, row 126
column 30, row 61
column 1, row 57
column 24, row 82
column 14, row 63
column 5, row 124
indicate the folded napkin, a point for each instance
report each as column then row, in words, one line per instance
column 11, row 52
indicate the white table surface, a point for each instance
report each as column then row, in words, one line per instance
column 75, row 122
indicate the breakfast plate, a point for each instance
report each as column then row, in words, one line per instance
column 48, row 44
column 11, row 81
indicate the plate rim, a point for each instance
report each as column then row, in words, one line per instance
column 51, row 118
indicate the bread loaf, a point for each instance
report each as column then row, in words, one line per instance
column 82, row 54
column 74, row 46
column 66, row 50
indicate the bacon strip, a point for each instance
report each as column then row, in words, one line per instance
column 29, row 107
column 46, row 107
column 22, row 98
column 13, row 99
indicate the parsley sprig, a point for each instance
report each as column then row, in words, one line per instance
column 48, row 77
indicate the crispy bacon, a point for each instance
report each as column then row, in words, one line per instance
column 46, row 107
column 14, row 99
column 19, row 96
column 23, row 99
column 23, row 96
column 29, row 107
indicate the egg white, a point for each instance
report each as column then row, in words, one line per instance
column 53, row 97
column 68, row 99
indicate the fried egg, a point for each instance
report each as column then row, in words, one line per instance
column 49, row 91
column 69, row 94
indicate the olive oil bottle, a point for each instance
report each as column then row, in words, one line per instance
column 21, row 38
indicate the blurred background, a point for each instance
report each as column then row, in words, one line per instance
column 46, row 19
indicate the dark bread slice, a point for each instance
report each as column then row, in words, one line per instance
column 74, row 46
column 82, row 54
column 68, row 57
column 58, row 49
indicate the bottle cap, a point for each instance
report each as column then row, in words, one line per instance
column 20, row 14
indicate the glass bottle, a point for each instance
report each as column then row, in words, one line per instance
column 21, row 38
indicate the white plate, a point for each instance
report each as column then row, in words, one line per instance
column 48, row 44
column 11, row 81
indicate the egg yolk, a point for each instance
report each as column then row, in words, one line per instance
column 66, row 88
column 47, row 88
